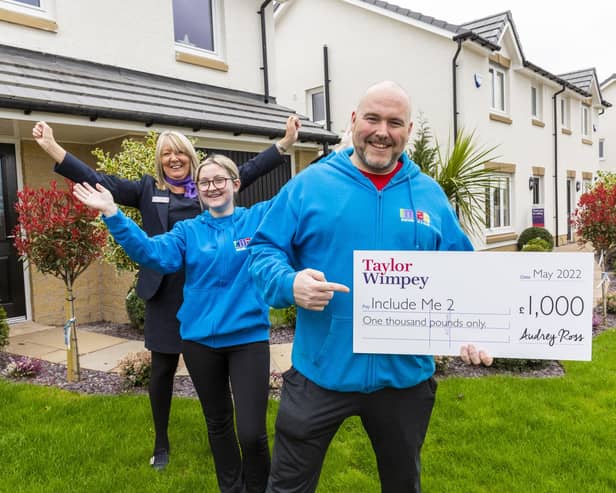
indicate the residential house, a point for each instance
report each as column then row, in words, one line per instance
column 474, row 77
column 99, row 72
column 607, row 138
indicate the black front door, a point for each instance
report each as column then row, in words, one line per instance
column 12, row 296
column 570, row 206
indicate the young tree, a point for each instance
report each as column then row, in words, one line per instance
column 460, row 171
column 60, row 236
column 595, row 221
column 464, row 177
column 135, row 159
column 423, row 153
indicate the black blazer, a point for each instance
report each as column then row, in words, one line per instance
column 154, row 203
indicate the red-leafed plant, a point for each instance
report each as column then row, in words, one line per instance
column 595, row 221
column 60, row 236
column 595, row 217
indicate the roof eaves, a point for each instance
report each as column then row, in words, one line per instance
column 165, row 100
column 471, row 36
column 28, row 106
column 426, row 19
column 555, row 78
column 608, row 80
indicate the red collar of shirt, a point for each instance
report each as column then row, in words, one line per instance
column 380, row 181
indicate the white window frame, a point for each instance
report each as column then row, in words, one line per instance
column 218, row 35
column 565, row 112
column 499, row 218
column 536, row 101
column 602, row 149
column 534, row 104
column 310, row 93
column 585, row 120
column 498, row 91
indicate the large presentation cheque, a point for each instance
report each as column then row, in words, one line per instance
column 513, row 304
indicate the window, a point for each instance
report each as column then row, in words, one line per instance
column 586, row 185
column 601, row 148
column 536, row 101
column 498, row 202
column 316, row 103
column 497, row 88
column 533, row 101
column 585, row 121
column 194, row 24
column 35, row 3
column 564, row 112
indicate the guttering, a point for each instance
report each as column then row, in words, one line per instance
column 454, row 71
column 460, row 38
column 556, row 161
column 261, row 12
column 149, row 119
column 555, row 78
column 328, row 115
column 470, row 35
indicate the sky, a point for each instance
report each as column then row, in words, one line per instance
column 558, row 36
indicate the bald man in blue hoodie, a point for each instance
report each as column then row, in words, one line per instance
column 350, row 201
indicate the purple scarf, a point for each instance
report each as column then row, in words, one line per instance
column 190, row 190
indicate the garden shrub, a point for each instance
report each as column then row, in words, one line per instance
column 135, row 308
column 441, row 363
column 283, row 317
column 611, row 303
column 22, row 367
column 537, row 245
column 535, row 232
column 4, row 329
column 135, row 369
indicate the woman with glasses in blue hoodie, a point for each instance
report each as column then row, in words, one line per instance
column 162, row 200
column 224, row 321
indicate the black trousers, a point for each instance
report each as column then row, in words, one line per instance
column 396, row 421
column 242, row 468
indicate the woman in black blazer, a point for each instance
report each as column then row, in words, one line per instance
column 162, row 200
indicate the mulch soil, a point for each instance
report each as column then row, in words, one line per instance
column 99, row 382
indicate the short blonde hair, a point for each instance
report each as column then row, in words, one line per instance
column 177, row 142
column 219, row 160
column 224, row 162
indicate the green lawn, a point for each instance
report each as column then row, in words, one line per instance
column 490, row 434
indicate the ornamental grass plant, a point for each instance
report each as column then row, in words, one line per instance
column 491, row 434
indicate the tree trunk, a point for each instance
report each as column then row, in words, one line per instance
column 604, row 281
column 70, row 334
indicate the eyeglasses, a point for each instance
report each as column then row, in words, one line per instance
column 219, row 183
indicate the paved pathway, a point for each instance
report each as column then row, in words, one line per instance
column 98, row 351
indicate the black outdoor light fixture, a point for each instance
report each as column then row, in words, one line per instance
column 578, row 186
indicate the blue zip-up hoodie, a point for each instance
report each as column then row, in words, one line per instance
column 316, row 221
column 222, row 306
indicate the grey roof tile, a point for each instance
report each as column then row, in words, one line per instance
column 453, row 28
column 609, row 79
column 33, row 81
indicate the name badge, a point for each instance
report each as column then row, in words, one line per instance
column 160, row 200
